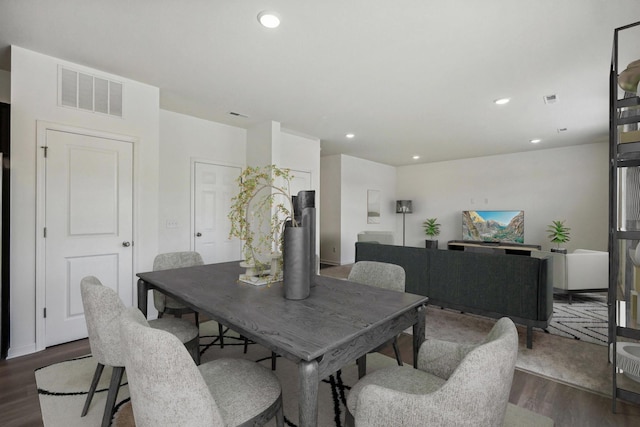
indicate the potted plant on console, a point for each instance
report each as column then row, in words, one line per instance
column 431, row 229
column 559, row 234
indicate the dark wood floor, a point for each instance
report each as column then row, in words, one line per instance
column 567, row 406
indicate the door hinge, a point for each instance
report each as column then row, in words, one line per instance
column 45, row 150
column 44, row 232
column 45, row 312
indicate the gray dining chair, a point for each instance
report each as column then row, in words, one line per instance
column 382, row 275
column 102, row 310
column 168, row 389
column 163, row 303
column 454, row 385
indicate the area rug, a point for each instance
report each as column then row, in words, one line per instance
column 63, row 387
column 585, row 318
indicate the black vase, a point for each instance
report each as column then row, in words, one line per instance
column 309, row 221
column 304, row 205
column 295, row 269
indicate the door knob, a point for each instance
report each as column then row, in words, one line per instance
column 126, row 244
column 198, row 234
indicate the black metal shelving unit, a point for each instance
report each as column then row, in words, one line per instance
column 624, row 221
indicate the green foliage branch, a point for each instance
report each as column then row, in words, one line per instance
column 262, row 190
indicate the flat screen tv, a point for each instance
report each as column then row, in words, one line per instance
column 493, row 226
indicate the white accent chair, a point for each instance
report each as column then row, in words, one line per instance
column 382, row 237
column 581, row 271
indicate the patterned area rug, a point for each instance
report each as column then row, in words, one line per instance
column 585, row 319
column 63, row 387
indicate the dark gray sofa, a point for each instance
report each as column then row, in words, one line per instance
column 492, row 285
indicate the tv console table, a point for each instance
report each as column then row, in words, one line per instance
column 492, row 247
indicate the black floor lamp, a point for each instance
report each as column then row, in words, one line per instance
column 403, row 207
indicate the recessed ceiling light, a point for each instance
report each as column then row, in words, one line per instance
column 416, row 157
column 268, row 19
column 535, row 141
column 502, row 101
column 350, row 135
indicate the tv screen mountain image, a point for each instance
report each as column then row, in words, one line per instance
column 493, row 226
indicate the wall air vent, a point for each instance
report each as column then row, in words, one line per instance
column 550, row 99
column 89, row 93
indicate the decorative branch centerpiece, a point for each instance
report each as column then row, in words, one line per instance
column 276, row 228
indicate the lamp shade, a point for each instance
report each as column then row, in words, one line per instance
column 403, row 206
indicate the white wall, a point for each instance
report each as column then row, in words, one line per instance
column 5, row 86
column 358, row 176
column 301, row 153
column 330, row 195
column 345, row 181
column 34, row 97
column 183, row 139
column 557, row 184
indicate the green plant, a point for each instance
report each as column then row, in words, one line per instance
column 259, row 211
column 431, row 227
column 558, row 232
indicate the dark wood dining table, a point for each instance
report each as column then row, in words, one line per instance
column 337, row 324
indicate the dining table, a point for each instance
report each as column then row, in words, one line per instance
column 340, row 322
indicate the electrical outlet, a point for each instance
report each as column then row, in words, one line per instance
column 172, row 223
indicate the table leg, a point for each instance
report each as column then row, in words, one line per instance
column 418, row 333
column 308, row 388
column 143, row 291
column 362, row 366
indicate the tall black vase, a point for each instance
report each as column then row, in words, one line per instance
column 309, row 221
column 305, row 203
column 295, row 269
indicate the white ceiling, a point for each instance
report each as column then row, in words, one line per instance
column 406, row 76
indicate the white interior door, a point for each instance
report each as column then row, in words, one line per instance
column 214, row 186
column 89, row 225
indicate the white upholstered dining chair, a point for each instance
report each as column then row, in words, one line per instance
column 163, row 303
column 454, row 385
column 382, row 275
column 168, row 389
column 102, row 310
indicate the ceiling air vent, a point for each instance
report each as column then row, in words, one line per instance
column 550, row 99
column 89, row 93
column 234, row 114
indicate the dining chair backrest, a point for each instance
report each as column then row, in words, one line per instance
column 169, row 261
column 485, row 375
column 177, row 260
column 379, row 274
column 102, row 310
column 165, row 385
